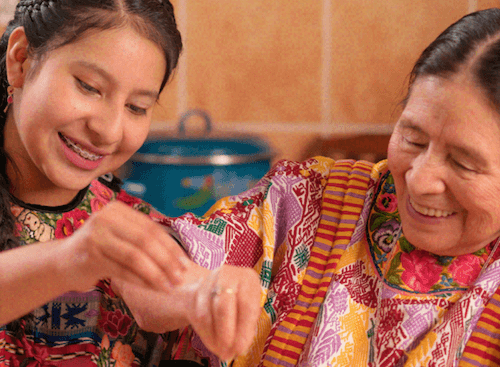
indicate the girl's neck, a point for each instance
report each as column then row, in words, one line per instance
column 43, row 196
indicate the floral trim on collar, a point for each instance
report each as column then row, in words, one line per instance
column 406, row 268
column 45, row 223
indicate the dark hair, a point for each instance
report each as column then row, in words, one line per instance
column 470, row 45
column 50, row 24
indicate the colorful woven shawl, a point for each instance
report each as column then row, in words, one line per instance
column 304, row 229
column 343, row 201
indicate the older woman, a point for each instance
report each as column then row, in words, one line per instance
column 389, row 264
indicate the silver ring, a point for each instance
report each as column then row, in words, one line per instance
column 217, row 291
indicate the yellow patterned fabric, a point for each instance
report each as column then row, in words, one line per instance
column 339, row 286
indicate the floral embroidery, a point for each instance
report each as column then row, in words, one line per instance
column 421, row 271
column 465, row 269
column 70, row 222
column 115, row 323
column 120, row 355
column 387, row 202
column 385, row 237
column 97, row 203
column 105, row 342
column 102, row 196
column 103, row 192
column 128, row 199
column 405, row 267
column 123, row 354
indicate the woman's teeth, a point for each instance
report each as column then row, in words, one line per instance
column 79, row 150
column 429, row 211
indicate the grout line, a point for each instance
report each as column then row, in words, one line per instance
column 326, row 64
column 181, row 73
column 259, row 127
column 472, row 6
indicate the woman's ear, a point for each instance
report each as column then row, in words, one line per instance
column 17, row 58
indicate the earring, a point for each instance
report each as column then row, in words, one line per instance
column 10, row 98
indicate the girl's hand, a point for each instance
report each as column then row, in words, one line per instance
column 224, row 310
column 120, row 242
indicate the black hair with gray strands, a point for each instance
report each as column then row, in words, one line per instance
column 50, row 24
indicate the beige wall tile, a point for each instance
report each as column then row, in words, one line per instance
column 486, row 4
column 376, row 44
column 255, row 60
column 291, row 146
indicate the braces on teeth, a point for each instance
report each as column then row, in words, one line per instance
column 83, row 153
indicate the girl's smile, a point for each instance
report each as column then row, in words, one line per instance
column 80, row 156
column 81, row 112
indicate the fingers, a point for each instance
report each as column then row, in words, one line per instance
column 119, row 241
column 227, row 310
column 123, row 259
column 152, row 239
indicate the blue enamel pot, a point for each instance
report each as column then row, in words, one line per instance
column 179, row 175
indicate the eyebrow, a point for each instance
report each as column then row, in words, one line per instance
column 106, row 75
column 408, row 124
column 469, row 152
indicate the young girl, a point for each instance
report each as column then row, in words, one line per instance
column 79, row 80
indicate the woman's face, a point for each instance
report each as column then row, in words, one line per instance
column 445, row 158
column 83, row 112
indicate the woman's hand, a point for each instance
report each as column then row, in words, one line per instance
column 222, row 306
column 121, row 243
column 225, row 309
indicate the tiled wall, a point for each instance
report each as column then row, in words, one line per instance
column 296, row 71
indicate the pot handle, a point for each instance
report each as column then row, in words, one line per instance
column 195, row 112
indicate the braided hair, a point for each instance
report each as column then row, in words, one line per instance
column 50, row 24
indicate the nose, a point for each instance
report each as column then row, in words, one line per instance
column 427, row 175
column 106, row 125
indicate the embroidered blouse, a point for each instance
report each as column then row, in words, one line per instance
column 79, row 329
column 339, row 287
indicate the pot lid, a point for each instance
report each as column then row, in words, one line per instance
column 210, row 151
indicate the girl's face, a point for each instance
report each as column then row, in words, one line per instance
column 444, row 155
column 83, row 112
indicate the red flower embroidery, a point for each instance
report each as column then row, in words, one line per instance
column 115, row 323
column 97, row 204
column 103, row 196
column 387, row 203
column 464, row 269
column 102, row 192
column 70, row 222
column 420, row 270
column 128, row 199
